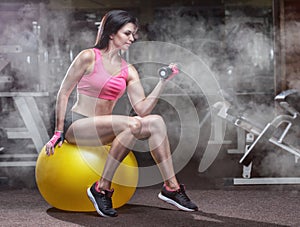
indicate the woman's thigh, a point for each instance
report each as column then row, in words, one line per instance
column 99, row 130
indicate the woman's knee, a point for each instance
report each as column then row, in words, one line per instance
column 135, row 126
column 146, row 126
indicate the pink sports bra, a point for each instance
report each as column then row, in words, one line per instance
column 101, row 84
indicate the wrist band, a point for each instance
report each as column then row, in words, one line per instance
column 59, row 131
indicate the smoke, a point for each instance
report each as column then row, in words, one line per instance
column 16, row 31
column 290, row 40
column 240, row 53
column 39, row 45
column 276, row 161
column 189, row 29
column 278, row 164
column 203, row 33
column 272, row 161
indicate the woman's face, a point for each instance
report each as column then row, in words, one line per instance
column 124, row 37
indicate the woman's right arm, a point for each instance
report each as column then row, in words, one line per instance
column 81, row 65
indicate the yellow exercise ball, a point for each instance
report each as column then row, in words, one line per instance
column 64, row 177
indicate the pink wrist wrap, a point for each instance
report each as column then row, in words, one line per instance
column 56, row 138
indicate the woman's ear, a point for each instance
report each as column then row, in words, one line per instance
column 111, row 36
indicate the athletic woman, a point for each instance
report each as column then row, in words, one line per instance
column 101, row 76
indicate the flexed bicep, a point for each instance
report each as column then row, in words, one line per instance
column 135, row 89
column 143, row 105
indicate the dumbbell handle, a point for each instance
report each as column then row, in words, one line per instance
column 166, row 71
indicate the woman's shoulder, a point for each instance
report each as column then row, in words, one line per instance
column 87, row 55
column 85, row 58
column 132, row 72
column 131, row 68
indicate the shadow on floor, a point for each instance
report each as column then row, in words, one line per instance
column 140, row 215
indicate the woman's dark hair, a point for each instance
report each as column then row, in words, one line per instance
column 110, row 24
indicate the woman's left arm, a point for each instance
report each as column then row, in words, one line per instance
column 141, row 104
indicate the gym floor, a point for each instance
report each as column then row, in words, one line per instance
column 234, row 207
column 219, row 205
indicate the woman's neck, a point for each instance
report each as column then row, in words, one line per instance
column 110, row 54
column 111, row 60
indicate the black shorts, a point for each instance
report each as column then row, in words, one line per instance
column 70, row 118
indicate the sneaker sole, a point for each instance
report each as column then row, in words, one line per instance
column 91, row 197
column 170, row 201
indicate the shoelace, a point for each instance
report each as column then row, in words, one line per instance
column 183, row 195
column 107, row 202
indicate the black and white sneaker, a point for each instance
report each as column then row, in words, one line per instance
column 177, row 198
column 102, row 201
